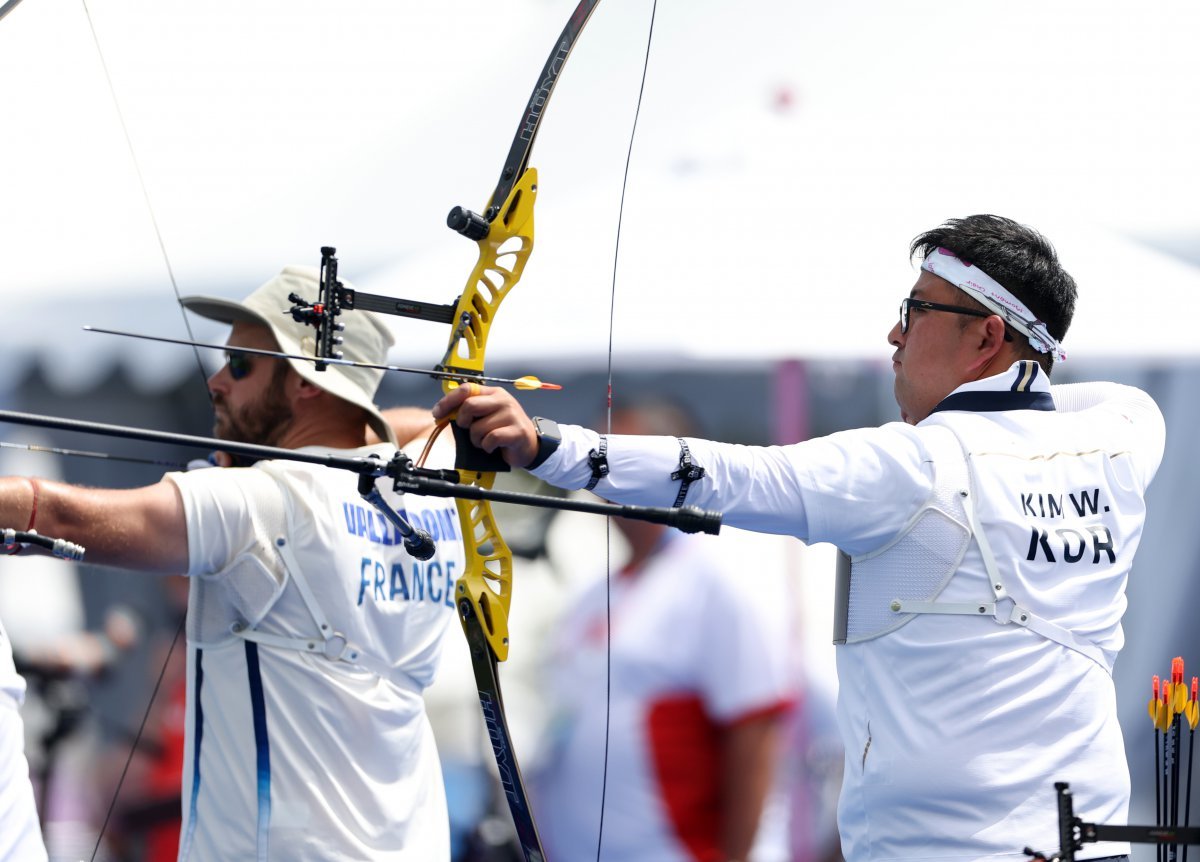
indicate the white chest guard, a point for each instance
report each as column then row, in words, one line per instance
column 234, row 601
column 880, row 591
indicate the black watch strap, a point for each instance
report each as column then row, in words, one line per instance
column 548, row 437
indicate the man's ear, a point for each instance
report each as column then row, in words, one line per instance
column 991, row 346
column 305, row 389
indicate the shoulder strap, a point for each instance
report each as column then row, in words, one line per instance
column 1002, row 608
column 327, row 642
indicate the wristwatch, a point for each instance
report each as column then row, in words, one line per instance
column 548, row 437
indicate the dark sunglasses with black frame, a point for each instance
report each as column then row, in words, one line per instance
column 911, row 302
column 239, row 364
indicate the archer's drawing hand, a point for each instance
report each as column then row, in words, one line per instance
column 495, row 420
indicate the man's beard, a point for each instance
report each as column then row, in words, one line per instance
column 263, row 422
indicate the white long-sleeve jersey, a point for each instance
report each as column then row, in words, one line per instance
column 955, row 727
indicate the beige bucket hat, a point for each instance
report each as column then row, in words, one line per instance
column 365, row 338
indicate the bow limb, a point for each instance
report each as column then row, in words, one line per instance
column 504, row 234
column 8, row 7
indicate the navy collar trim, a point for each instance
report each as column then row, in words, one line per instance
column 1020, row 394
column 992, row 402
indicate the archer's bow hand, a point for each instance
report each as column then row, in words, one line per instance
column 494, row 420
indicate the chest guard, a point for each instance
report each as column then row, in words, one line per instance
column 878, row 592
column 913, row 567
column 233, row 603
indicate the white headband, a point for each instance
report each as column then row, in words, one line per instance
column 977, row 283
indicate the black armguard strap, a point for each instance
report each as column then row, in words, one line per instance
column 598, row 460
column 687, row 473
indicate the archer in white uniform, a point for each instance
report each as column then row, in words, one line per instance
column 989, row 539
column 335, row 756
column 311, row 631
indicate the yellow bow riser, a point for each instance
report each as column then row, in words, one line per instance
column 487, row 581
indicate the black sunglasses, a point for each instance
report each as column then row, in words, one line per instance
column 910, row 302
column 239, row 364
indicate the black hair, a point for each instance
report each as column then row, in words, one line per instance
column 1019, row 258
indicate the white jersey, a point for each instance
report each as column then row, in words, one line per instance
column 20, row 832
column 324, row 753
column 693, row 653
column 11, row 683
column 955, row 728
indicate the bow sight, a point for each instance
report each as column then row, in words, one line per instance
column 333, row 296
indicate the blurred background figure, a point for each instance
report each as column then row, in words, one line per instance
column 809, row 780
column 698, row 690
column 44, row 621
column 147, row 810
column 89, row 671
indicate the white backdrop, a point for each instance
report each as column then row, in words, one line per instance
column 772, row 134
column 787, row 152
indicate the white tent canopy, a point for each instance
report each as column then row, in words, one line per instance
column 794, row 282
column 786, row 154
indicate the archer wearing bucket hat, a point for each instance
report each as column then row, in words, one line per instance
column 365, row 338
column 311, row 630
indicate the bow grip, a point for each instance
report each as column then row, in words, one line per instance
column 468, row 456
